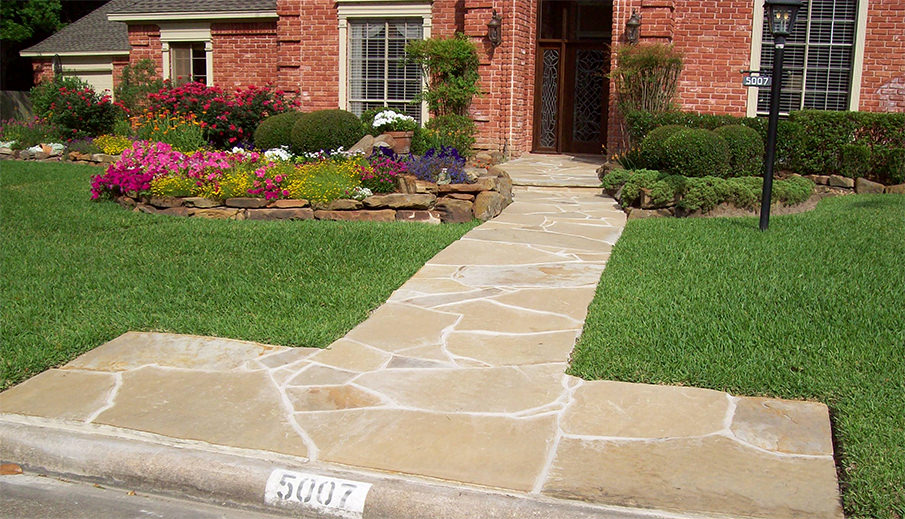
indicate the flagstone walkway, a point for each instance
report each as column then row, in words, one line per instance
column 460, row 376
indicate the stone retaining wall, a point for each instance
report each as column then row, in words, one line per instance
column 416, row 201
column 49, row 155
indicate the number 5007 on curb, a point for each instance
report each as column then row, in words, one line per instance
column 340, row 496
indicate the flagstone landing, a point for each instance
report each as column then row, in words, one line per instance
column 460, row 377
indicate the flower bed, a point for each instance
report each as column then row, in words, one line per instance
column 155, row 178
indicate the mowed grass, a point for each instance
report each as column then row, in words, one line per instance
column 77, row 273
column 814, row 309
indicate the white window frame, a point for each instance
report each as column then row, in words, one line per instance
column 376, row 9
column 187, row 33
column 857, row 63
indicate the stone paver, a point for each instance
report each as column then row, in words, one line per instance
column 460, row 376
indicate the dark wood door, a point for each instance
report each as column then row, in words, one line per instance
column 571, row 88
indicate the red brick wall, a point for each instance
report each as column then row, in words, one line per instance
column 119, row 62
column 42, row 69
column 308, row 46
column 145, row 42
column 244, row 54
column 883, row 80
column 714, row 37
column 504, row 113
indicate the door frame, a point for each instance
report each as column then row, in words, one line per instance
column 566, row 82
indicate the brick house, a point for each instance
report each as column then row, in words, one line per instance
column 544, row 85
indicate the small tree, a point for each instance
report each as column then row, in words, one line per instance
column 647, row 77
column 136, row 82
column 451, row 68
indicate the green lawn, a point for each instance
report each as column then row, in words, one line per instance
column 77, row 273
column 814, row 308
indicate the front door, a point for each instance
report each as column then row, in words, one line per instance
column 571, row 89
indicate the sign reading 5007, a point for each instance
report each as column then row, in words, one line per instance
column 757, row 81
column 338, row 497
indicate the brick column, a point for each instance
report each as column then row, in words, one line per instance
column 503, row 114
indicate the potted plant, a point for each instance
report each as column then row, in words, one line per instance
column 399, row 126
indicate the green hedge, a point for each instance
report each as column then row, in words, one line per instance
column 746, row 149
column 808, row 141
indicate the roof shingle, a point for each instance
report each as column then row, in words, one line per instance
column 194, row 6
column 90, row 33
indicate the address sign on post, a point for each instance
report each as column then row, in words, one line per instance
column 757, row 81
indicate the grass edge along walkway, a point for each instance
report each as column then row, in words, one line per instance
column 77, row 273
column 814, row 308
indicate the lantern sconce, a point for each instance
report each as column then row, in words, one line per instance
column 494, row 29
column 633, row 28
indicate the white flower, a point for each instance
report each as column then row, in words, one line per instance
column 281, row 153
column 360, row 193
column 390, row 117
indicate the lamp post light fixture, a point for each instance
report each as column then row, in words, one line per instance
column 494, row 29
column 781, row 17
column 633, row 28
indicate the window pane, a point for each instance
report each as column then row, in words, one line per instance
column 378, row 74
column 817, row 66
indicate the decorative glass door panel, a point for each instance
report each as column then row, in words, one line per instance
column 548, row 133
column 571, row 90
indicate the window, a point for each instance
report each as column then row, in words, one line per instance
column 188, row 62
column 378, row 74
column 187, row 52
column 820, row 57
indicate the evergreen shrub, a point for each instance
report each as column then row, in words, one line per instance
column 325, row 130
column 276, row 130
column 746, row 149
column 694, row 152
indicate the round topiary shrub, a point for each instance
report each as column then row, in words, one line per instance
column 326, row 130
column 694, row 152
column 652, row 150
column 746, row 149
column 276, row 130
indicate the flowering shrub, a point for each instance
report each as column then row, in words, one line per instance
column 160, row 170
column 379, row 175
column 226, row 118
column 146, row 162
column 112, row 144
column 29, row 133
column 324, row 181
column 438, row 165
column 75, row 107
column 182, row 132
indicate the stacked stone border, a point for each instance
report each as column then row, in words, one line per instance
column 415, row 201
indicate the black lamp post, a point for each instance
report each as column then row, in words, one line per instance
column 782, row 15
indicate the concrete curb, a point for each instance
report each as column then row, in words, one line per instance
column 234, row 480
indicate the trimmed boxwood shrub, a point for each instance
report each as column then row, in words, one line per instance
column 746, row 149
column 694, row 152
column 653, row 151
column 326, row 130
column 276, row 130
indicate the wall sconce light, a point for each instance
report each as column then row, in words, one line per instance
column 633, row 28
column 494, row 29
